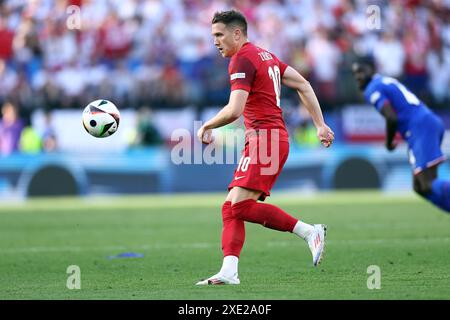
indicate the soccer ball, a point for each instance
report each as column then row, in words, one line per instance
column 101, row 118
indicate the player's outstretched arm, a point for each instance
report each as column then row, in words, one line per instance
column 294, row 80
column 231, row 112
column 391, row 125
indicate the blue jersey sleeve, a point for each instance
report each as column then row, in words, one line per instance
column 375, row 96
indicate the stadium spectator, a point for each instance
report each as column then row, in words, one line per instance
column 305, row 132
column 115, row 38
column 30, row 142
column 325, row 56
column 416, row 49
column 147, row 134
column 389, row 55
column 48, row 135
column 6, row 39
column 438, row 64
column 72, row 81
column 59, row 45
column 8, row 80
column 10, row 129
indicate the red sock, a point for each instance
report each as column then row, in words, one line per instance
column 265, row 214
column 233, row 232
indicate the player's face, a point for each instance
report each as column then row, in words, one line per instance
column 224, row 39
column 362, row 75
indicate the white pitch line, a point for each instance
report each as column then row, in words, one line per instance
column 157, row 246
column 207, row 245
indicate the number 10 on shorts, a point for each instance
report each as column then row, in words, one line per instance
column 243, row 164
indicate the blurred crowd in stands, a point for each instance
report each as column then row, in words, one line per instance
column 66, row 53
column 17, row 133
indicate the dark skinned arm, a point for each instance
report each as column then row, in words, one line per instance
column 391, row 125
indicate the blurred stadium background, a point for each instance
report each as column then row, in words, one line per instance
column 156, row 61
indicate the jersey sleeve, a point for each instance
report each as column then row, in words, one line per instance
column 242, row 73
column 376, row 97
column 283, row 66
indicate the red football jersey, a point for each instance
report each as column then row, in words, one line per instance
column 259, row 72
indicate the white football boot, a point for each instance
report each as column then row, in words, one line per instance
column 219, row 279
column 316, row 242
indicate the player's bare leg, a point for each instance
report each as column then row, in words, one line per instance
column 429, row 186
column 427, row 176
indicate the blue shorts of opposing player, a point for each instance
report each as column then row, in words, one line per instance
column 424, row 141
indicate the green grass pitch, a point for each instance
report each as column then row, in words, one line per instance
column 179, row 236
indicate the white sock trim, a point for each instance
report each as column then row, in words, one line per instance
column 229, row 266
column 303, row 230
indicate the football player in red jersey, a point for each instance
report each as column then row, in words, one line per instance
column 256, row 76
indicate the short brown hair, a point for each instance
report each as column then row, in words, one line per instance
column 231, row 18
